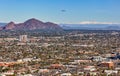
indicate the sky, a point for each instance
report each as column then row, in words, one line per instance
column 61, row 11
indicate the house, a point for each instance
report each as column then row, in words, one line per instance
column 9, row 73
column 28, row 75
column 97, row 58
column 25, row 60
column 56, row 66
column 44, row 70
column 93, row 73
column 108, row 64
column 82, row 61
column 89, row 68
column 108, row 72
column 66, row 74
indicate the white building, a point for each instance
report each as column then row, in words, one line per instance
column 108, row 72
column 98, row 58
column 23, row 38
column 66, row 74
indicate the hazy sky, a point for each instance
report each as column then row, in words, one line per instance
column 60, row 11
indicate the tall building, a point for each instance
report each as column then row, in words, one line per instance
column 23, row 38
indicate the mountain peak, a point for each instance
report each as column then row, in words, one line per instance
column 11, row 22
column 33, row 20
column 9, row 26
column 32, row 24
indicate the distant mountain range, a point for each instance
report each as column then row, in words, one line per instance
column 3, row 24
column 91, row 26
column 31, row 24
column 34, row 24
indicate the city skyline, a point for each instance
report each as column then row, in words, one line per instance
column 61, row 11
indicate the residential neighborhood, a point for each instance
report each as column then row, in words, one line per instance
column 73, row 54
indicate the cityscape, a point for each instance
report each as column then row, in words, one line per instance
column 59, row 38
column 80, row 53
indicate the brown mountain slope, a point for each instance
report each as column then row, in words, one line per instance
column 32, row 24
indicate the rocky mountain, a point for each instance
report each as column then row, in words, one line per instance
column 31, row 24
column 9, row 26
